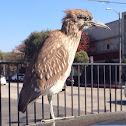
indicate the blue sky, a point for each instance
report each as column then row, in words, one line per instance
column 18, row 18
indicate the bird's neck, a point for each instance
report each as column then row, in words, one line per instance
column 70, row 29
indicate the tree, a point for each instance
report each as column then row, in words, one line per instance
column 1, row 55
column 34, row 42
column 87, row 43
column 1, row 58
column 14, row 56
column 84, row 42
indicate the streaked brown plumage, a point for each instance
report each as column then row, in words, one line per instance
column 51, row 65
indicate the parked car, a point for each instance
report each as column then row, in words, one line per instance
column 3, row 80
column 8, row 78
column 69, row 81
column 20, row 77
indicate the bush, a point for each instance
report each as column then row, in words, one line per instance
column 81, row 57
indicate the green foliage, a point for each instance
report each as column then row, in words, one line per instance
column 124, row 60
column 34, row 42
column 1, row 55
column 81, row 57
column 1, row 58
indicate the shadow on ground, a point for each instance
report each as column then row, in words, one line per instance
column 118, row 102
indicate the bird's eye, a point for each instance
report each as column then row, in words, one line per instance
column 87, row 18
column 84, row 18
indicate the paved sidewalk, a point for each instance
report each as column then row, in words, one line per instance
column 14, row 101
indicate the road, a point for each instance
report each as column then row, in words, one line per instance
column 81, row 105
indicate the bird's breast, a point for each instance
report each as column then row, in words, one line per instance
column 57, row 87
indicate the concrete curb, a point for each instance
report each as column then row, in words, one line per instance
column 88, row 119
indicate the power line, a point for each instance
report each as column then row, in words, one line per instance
column 107, row 1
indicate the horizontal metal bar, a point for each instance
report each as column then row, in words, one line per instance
column 14, row 63
column 106, row 64
column 112, row 64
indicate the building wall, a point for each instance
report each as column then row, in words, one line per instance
column 107, row 45
column 107, row 41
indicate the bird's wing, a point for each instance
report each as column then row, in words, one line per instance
column 48, row 65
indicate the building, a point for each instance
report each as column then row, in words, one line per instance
column 107, row 41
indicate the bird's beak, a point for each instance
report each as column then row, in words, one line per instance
column 95, row 23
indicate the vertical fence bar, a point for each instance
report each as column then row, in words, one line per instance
column 65, row 101
column 120, row 80
column 115, row 88
column 85, row 90
column 27, row 107
column 43, row 107
column 120, row 83
column 98, row 87
column 34, row 112
column 18, row 93
column 78, row 90
column 110, row 88
column 9, row 100
column 57, row 105
column 72, row 92
column 91, row 89
column 104, row 90
column 0, row 105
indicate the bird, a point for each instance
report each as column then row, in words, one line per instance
column 51, row 64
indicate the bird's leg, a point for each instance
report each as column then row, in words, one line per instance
column 52, row 117
column 51, row 107
column 52, row 113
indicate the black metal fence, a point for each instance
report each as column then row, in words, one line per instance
column 93, row 88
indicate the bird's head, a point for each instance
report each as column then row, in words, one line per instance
column 83, row 19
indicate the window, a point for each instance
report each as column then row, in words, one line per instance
column 107, row 44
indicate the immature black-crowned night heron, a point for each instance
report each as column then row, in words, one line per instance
column 51, row 65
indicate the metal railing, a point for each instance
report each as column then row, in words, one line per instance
column 94, row 88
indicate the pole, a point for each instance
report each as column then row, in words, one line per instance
column 120, row 45
column 120, row 40
column 120, row 59
column 120, row 50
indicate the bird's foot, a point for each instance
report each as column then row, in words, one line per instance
column 55, row 119
column 48, row 121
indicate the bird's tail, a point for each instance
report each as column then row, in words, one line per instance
column 24, row 99
column 27, row 95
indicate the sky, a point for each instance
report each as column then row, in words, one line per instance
column 18, row 18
